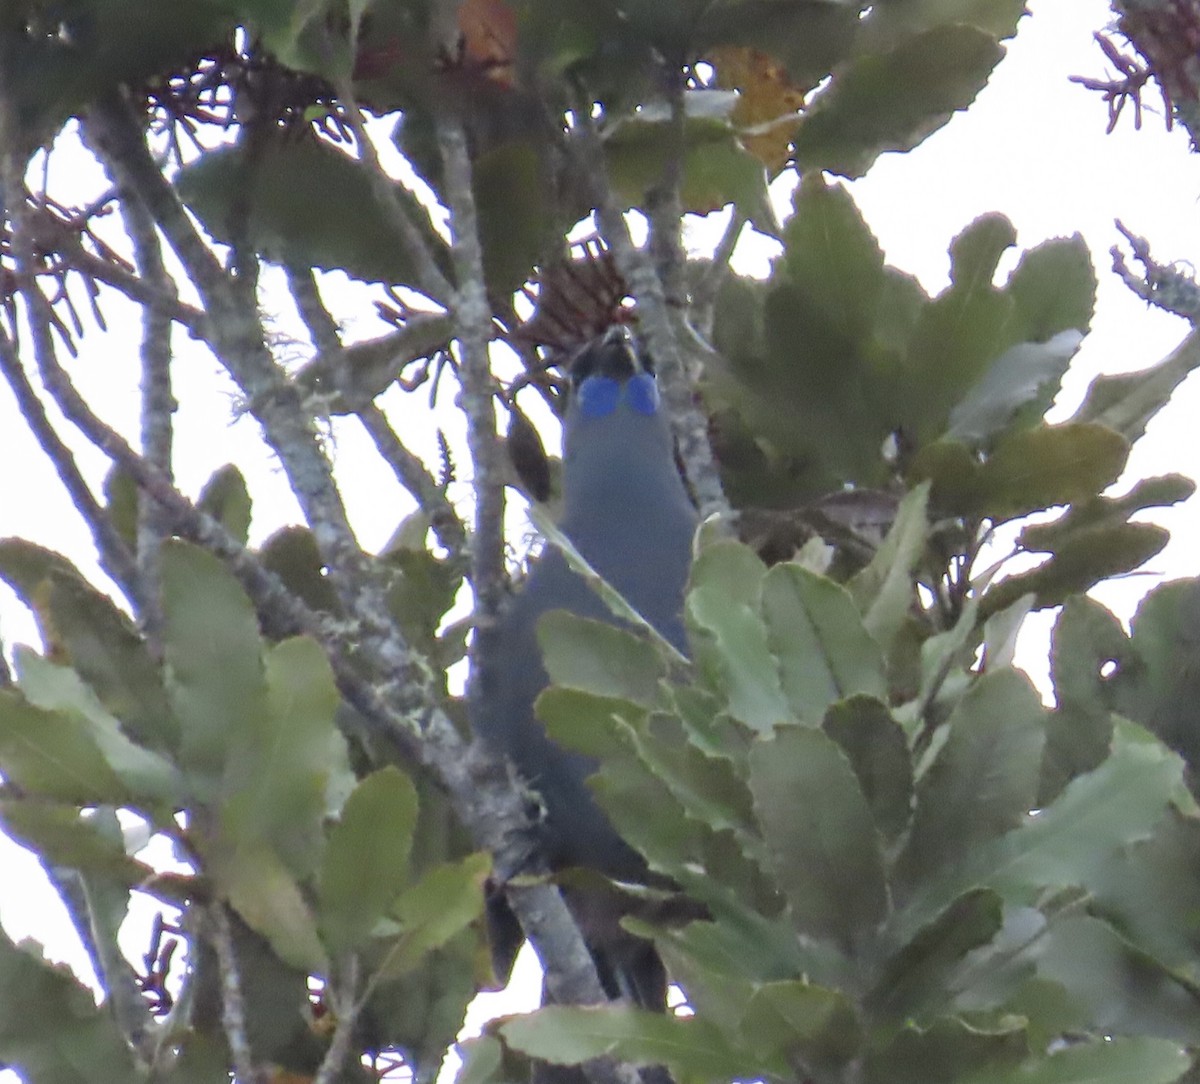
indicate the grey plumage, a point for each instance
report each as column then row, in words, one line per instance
column 627, row 512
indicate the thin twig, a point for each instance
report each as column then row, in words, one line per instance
column 233, row 1007
column 114, row 555
column 1166, row 288
column 346, row 1007
column 429, row 278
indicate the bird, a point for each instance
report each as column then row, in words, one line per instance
column 627, row 511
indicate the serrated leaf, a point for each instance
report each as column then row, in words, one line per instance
column 598, row 658
column 1118, row 988
column 108, row 654
column 1030, row 470
column 261, row 889
column 1083, row 560
column 820, row 833
column 214, row 657
column 365, row 864
column 1159, row 685
column 1151, row 891
column 733, row 648
column 894, row 100
column 586, row 723
column 731, row 568
column 877, row 749
column 1054, row 286
column 891, row 18
column 947, row 1051
column 51, row 1030
column 1126, row 402
column 1115, row 1060
column 822, row 648
column 1069, row 842
column 279, row 765
column 984, row 780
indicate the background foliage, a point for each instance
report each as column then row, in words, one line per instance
column 909, row 867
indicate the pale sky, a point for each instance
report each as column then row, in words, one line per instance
column 1033, row 147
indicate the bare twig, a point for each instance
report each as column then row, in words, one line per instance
column 114, row 555
column 233, row 1007
column 473, row 316
column 346, row 1006
column 430, row 279
column 1166, row 288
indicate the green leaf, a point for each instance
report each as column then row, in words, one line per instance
column 292, row 219
column 825, row 654
column 1151, row 891
column 517, row 226
column 707, row 787
column 948, row 1051
column 717, row 169
column 891, row 18
column 291, row 553
column 274, row 788
column 894, row 100
column 1054, row 286
column 1020, row 384
column 731, row 646
column 1087, row 640
column 570, row 1035
column 148, row 777
column 51, row 1030
column 1030, row 470
column 365, row 865
column 444, row 902
column 1126, row 402
column 1117, row 988
column 883, row 591
column 1116, row 1060
column 53, row 754
column 804, row 1024
column 595, row 657
column 877, row 749
column 821, row 835
column 1069, row 842
column 108, row 654
column 588, row 724
column 226, row 498
column 915, row 981
column 63, row 836
column 1083, row 560
column 264, row 893
column 984, row 780
column 1159, row 685
column 1094, row 512
column 213, row 655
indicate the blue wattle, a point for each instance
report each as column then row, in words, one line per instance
column 641, row 393
column 598, row 396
